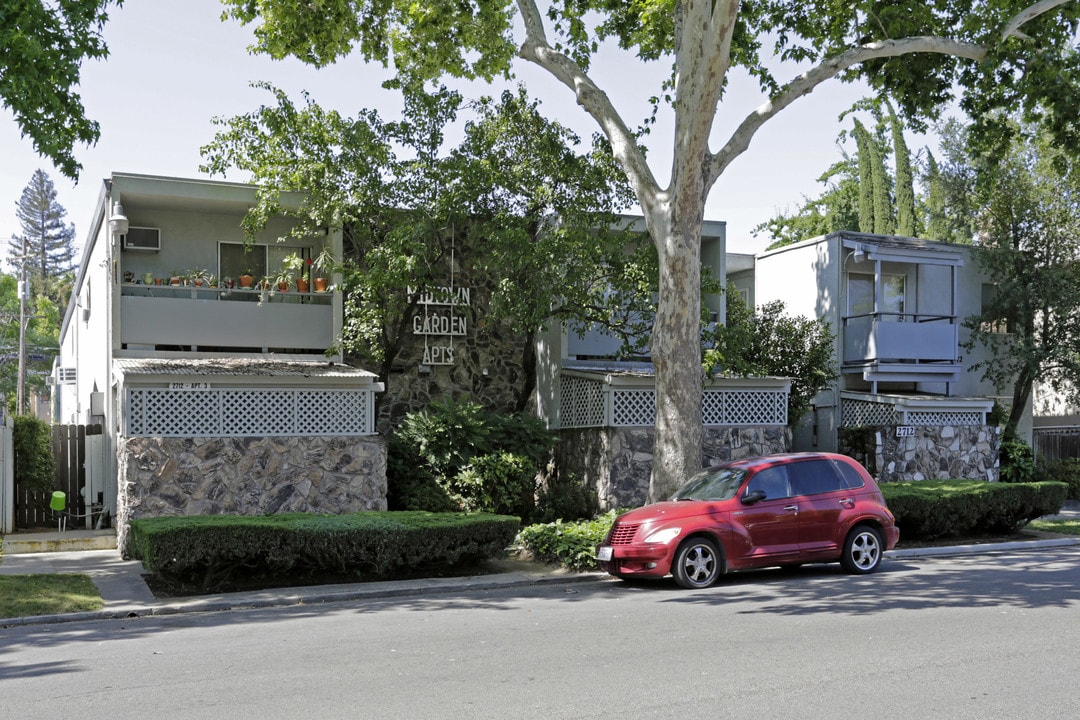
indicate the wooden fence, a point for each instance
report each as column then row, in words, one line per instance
column 72, row 453
column 1056, row 443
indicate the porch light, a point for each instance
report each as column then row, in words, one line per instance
column 860, row 254
column 118, row 222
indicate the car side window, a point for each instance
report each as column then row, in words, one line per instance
column 773, row 480
column 813, row 477
column 853, row 480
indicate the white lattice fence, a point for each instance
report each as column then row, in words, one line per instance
column 934, row 419
column 233, row 412
column 744, row 407
column 581, row 402
column 857, row 413
column 582, row 405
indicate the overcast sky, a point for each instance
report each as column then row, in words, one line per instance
column 175, row 65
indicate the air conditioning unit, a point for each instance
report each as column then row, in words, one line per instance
column 141, row 239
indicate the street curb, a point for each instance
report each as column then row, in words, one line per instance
column 308, row 596
column 316, row 595
column 982, row 549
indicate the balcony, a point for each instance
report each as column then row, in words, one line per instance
column 221, row 319
column 901, row 347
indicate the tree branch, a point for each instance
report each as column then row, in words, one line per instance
column 624, row 145
column 739, row 141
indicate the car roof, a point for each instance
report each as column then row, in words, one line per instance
column 755, row 463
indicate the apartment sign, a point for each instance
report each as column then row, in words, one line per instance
column 438, row 323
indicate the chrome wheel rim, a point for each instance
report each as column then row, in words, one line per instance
column 865, row 550
column 700, row 565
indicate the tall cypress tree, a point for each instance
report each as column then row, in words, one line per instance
column 46, row 240
column 880, row 187
column 937, row 227
column 906, row 223
column 863, row 141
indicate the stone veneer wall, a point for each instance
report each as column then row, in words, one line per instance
column 248, row 476
column 932, row 453
column 616, row 462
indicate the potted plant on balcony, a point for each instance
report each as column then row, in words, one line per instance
column 292, row 269
column 198, row 277
column 321, row 267
column 246, row 278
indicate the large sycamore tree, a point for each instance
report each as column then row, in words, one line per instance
column 996, row 52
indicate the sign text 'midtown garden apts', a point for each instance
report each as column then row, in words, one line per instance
column 438, row 323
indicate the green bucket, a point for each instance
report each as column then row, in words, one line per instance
column 58, row 502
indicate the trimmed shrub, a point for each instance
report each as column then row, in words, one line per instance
column 209, row 552
column 1066, row 471
column 930, row 509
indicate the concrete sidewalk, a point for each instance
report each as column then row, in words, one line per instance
column 126, row 593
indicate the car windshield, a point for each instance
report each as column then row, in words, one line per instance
column 714, row 484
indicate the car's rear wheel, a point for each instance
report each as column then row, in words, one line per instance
column 862, row 550
column 697, row 563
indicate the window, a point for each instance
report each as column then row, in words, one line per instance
column 773, row 480
column 815, row 476
column 235, row 259
column 852, row 479
column 861, row 295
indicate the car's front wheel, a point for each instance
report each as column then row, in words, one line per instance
column 862, row 550
column 697, row 563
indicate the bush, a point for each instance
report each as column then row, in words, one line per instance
column 210, row 552
column 35, row 466
column 458, row 456
column 501, row 483
column 930, row 509
column 1066, row 471
column 565, row 499
column 569, row 544
column 1017, row 461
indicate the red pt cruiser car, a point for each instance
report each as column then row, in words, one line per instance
column 782, row 510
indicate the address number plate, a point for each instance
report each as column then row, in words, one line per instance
column 189, row 386
column 905, row 431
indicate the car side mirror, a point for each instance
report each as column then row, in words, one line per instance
column 753, row 496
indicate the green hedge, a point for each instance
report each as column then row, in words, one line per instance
column 210, row 552
column 930, row 509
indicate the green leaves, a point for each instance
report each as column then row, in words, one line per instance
column 769, row 343
column 423, row 40
column 43, row 47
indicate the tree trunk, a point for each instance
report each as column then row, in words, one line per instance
column 528, row 365
column 676, row 355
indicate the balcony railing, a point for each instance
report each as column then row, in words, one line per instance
column 900, row 338
column 155, row 316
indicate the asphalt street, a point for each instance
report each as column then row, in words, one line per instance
column 984, row 635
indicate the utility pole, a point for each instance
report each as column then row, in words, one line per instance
column 20, row 396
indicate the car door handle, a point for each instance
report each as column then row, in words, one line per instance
column 847, row 502
column 792, row 507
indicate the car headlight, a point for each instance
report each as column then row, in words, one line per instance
column 664, row 536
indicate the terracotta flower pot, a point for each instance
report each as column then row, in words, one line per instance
column 247, row 281
column 320, row 284
column 302, row 285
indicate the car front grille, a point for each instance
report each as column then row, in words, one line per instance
column 622, row 534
